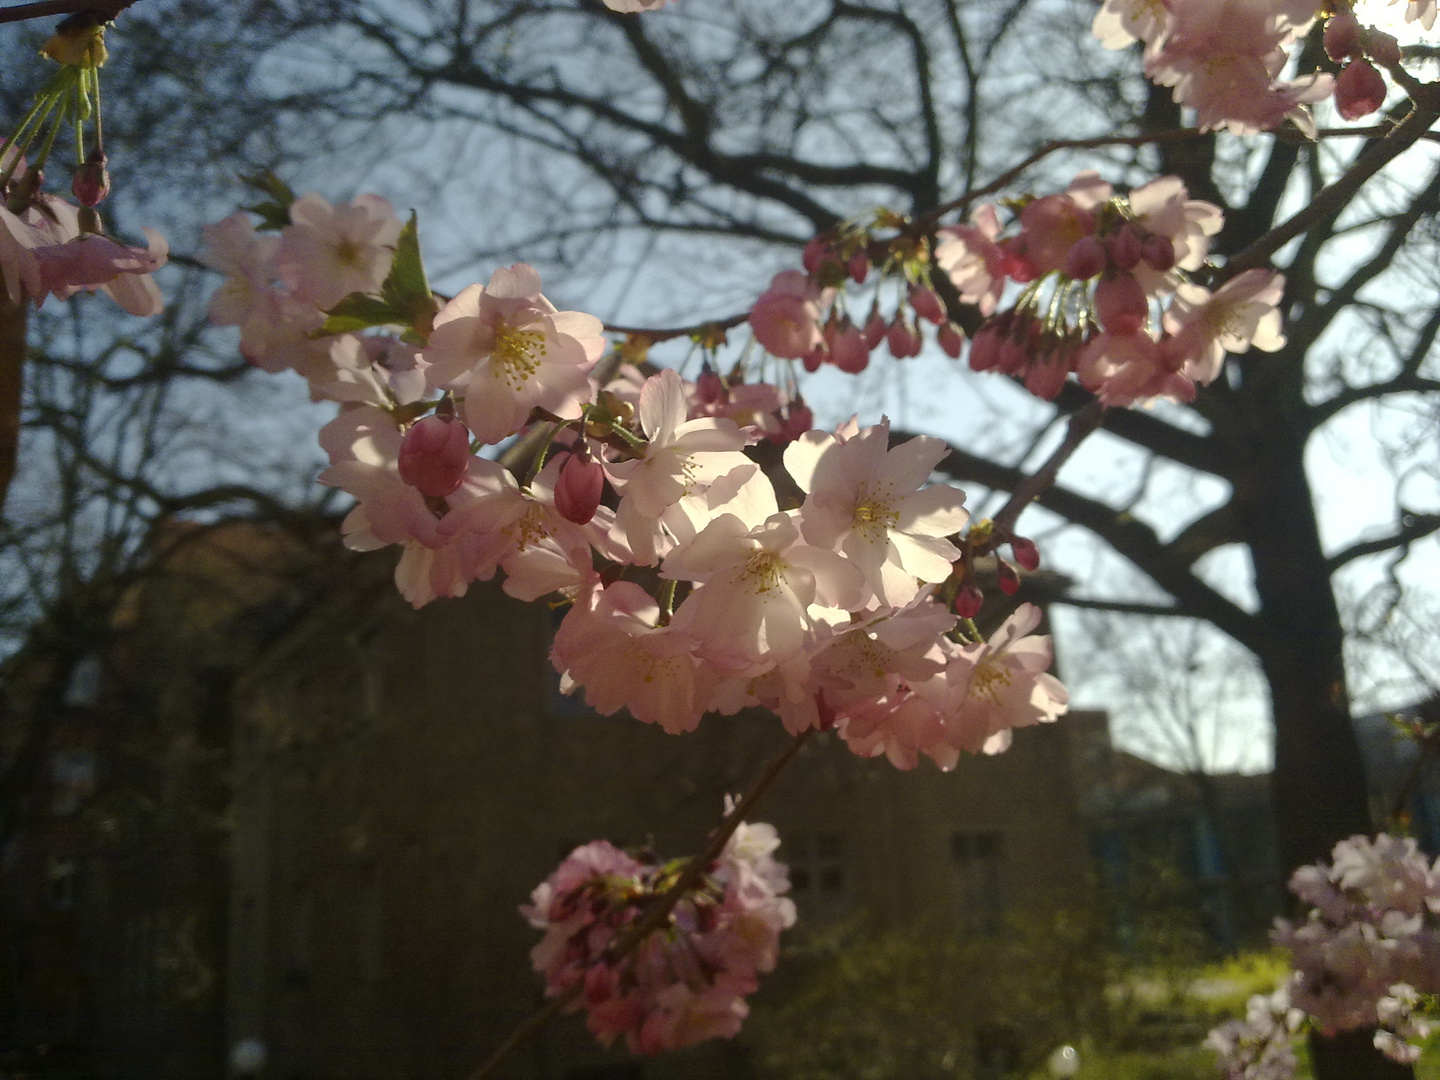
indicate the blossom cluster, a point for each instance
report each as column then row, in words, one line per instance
column 688, row 979
column 1365, row 957
column 1106, row 292
column 691, row 588
column 1224, row 57
column 51, row 247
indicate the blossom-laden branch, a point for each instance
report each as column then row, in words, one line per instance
column 657, row 914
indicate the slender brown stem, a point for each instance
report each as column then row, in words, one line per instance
column 106, row 10
column 698, row 866
column 1082, row 423
column 1404, row 135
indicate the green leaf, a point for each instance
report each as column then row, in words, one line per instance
column 359, row 312
column 274, row 206
column 405, row 287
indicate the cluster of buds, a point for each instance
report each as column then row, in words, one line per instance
column 48, row 246
column 1360, row 88
column 687, row 980
column 1366, row 956
column 694, row 584
column 803, row 314
column 1223, row 57
column 1106, row 293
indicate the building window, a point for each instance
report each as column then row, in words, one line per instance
column 817, row 865
column 979, row 860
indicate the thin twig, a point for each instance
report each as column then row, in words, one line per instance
column 698, row 866
column 105, row 10
column 1082, row 423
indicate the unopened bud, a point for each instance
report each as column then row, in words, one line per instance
column 579, row 487
column 92, row 180
column 1342, row 36
column 968, row 601
column 815, row 254
column 848, row 350
column 1158, row 252
column 88, row 220
column 709, row 387
column 1085, row 259
column 875, row 328
column 1120, row 304
column 1123, row 246
column 926, row 304
column 435, row 456
column 903, row 338
column 1359, row 90
column 1382, row 47
column 1025, row 551
column 798, row 420
column 859, row 266
column 1007, row 577
column 952, row 340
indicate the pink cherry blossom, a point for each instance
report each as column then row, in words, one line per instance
column 868, row 500
column 786, row 317
column 507, row 349
column 328, row 252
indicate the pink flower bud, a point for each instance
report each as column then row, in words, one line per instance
column 709, row 387
column 985, row 349
column 1013, row 262
column 579, row 487
column 435, row 455
column 798, row 419
column 92, row 180
column 1158, row 252
column 1007, row 577
column 1085, row 259
column 1025, row 551
column 968, row 601
column 848, row 350
column 1124, row 248
column 952, row 340
column 903, row 338
column 1342, row 36
column 1120, row 304
column 1382, row 47
column 926, row 304
column 875, row 328
column 815, row 254
column 859, row 266
column 1359, row 90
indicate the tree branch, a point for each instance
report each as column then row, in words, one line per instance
column 1412, row 527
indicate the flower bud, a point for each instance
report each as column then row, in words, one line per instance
column 435, row 455
column 92, row 180
column 1359, row 90
column 1025, row 551
column 859, row 266
column 815, row 357
column 926, row 304
column 1007, row 577
column 1342, row 36
column 985, row 349
column 848, row 350
column 952, row 340
column 815, row 254
column 1158, row 252
column 1085, row 259
column 968, row 601
column 1382, row 48
column 798, row 419
column 579, row 487
column 875, row 328
column 709, row 387
column 1014, row 263
column 1120, row 304
column 903, row 338
column 1124, row 248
